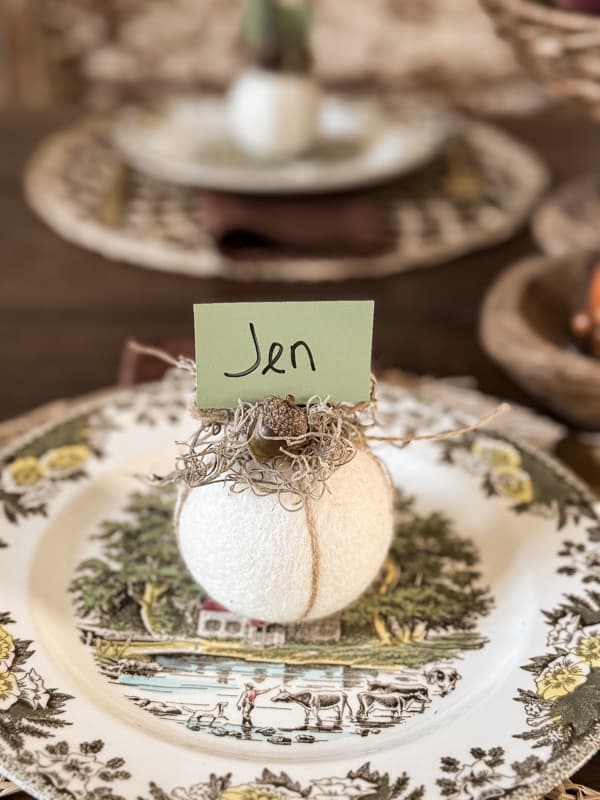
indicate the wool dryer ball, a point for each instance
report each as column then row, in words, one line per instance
column 265, row 562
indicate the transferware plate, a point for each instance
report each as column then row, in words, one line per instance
column 470, row 669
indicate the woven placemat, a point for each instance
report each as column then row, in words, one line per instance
column 567, row 220
column 478, row 192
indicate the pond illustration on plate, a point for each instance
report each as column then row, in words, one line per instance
column 390, row 657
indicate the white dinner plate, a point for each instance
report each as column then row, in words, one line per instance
column 359, row 142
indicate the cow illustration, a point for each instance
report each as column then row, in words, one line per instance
column 314, row 702
column 383, row 694
column 412, row 693
column 389, row 700
column 443, row 678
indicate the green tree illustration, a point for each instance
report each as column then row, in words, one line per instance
column 430, row 582
column 140, row 583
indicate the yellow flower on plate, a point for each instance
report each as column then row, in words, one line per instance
column 562, row 677
column 62, row 461
column 9, row 690
column 248, row 791
column 498, row 454
column 7, row 648
column 514, row 484
column 588, row 650
column 25, row 471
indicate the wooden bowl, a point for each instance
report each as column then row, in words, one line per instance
column 561, row 48
column 525, row 328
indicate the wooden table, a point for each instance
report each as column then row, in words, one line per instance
column 64, row 312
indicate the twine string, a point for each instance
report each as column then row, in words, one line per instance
column 180, row 362
column 315, row 557
column 403, row 441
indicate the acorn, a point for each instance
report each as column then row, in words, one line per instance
column 280, row 418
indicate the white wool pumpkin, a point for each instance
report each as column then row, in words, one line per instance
column 274, row 116
column 262, row 561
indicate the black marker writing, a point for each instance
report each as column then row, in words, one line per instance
column 256, row 363
column 295, row 346
column 276, row 351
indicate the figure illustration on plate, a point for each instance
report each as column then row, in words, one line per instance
column 247, row 701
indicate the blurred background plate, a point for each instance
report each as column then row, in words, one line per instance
column 360, row 142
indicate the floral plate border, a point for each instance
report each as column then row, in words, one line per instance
column 547, row 777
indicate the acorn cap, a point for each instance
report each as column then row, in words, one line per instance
column 282, row 417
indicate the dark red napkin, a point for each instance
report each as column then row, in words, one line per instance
column 344, row 224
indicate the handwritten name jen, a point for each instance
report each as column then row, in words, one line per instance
column 276, row 351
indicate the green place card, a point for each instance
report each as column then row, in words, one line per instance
column 247, row 351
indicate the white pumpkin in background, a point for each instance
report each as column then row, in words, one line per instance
column 274, row 116
column 262, row 561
